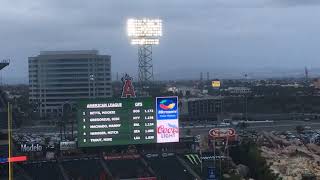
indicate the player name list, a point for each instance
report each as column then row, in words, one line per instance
column 123, row 122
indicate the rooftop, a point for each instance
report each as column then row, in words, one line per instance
column 87, row 52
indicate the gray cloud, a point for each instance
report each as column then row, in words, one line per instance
column 297, row 2
column 197, row 34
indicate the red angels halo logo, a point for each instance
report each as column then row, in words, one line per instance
column 127, row 89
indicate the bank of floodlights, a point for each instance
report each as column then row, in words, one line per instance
column 145, row 33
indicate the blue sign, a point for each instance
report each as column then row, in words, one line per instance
column 3, row 160
column 211, row 174
column 167, row 108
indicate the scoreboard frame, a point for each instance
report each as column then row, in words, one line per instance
column 126, row 128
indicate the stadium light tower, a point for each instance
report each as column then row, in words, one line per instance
column 145, row 33
column 4, row 63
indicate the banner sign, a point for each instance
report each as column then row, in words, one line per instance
column 163, row 155
column 167, row 119
column 222, row 132
column 122, row 157
column 68, row 145
column 167, row 108
column 215, row 84
column 13, row 159
column 211, row 173
column 196, row 159
column 31, row 148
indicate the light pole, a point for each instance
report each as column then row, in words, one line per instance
column 144, row 32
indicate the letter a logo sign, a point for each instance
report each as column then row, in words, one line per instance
column 127, row 89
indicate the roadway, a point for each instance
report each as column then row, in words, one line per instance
column 283, row 125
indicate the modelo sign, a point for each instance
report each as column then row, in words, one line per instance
column 31, row 147
column 167, row 119
column 222, row 132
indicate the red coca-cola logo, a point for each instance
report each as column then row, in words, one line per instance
column 167, row 130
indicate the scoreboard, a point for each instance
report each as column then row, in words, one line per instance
column 116, row 122
column 127, row 121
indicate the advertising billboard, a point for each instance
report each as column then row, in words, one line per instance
column 167, row 119
column 222, row 133
column 31, row 148
column 215, row 83
column 211, row 173
column 68, row 145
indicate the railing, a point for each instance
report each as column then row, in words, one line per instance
column 5, row 61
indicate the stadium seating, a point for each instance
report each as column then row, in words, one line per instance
column 43, row 170
column 3, row 171
column 169, row 168
column 83, row 169
column 194, row 162
column 125, row 169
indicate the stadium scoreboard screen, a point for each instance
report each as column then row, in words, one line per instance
column 128, row 121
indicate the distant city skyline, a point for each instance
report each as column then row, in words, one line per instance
column 240, row 37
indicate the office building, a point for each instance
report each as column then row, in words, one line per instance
column 64, row 77
column 205, row 108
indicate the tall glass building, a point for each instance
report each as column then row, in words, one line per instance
column 57, row 78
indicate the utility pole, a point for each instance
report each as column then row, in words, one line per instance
column 246, row 106
column 9, row 140
column 117, row 76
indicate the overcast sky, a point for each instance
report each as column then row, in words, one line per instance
column 198, row 34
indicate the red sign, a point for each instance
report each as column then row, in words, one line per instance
column 222, row 132
column 18, row 159
column 127, row 89
column 147, row 178
column 13, row 159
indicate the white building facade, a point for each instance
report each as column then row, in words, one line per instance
column 60, row 77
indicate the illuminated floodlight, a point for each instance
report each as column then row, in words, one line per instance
column 144, row 27
column 148, row 30
column 144, row 32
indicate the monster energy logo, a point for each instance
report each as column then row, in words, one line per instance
column 194, row 159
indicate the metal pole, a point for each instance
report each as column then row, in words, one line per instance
column 9, row 142
column 72, row 129
column 220, row 167
column 201, row 160
column 214, row 153
column 246, row 106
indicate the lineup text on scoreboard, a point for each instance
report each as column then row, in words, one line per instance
column 116, row 122
column 128, row 121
